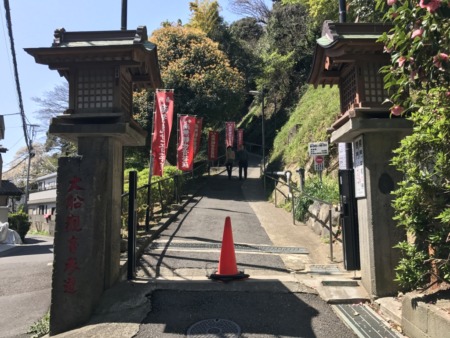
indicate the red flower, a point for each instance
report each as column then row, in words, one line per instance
column 430, row 5
column 417, row 33
column 397, row 110
column 401, row 61
column 438, row 59
column 391, row 2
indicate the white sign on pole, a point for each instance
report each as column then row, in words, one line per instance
column 358, row 166
column 318, row 148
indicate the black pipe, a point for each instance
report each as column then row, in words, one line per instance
column 132, row 181
column 124, row 15
column 342, row 11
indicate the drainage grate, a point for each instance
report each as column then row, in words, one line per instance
column 364, row 321
column 237, row 247
column 340, row 283
column 324, row 269
column 211, row 328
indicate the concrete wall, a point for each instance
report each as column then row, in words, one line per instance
column 422, row 318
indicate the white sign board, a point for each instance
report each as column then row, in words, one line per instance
column 318, row 148
column 342, row 156
column 358, row 166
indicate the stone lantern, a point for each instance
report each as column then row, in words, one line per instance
column 349, row 56
column 102, row 69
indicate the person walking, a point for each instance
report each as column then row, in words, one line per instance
column 242, row 157
column 229, row 160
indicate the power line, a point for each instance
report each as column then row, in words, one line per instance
column 16, row 74
column 7, row 171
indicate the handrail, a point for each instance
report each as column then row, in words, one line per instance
column 295, row 189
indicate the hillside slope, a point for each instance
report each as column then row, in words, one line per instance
column 316, row 110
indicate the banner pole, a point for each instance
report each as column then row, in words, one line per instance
column 178, row 138
column 150, row 170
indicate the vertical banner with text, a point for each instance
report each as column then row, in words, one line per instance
column 186, row 142
column 213, row 145
column 162, row 126
column 240, row 138
column 197, row 134
column 229, row 133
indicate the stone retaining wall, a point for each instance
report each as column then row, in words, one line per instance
column 319, row 219
column 425, row 317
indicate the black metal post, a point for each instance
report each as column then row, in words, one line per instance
column 263, row 141
column 342, row 11
column 124, row 15
column 132, row 225
column 331, row 234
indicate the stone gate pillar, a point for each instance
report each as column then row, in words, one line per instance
column 349, row 55
column 102, row 69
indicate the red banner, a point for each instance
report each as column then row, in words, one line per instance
column 240, row 138
column 229, row 133
column 197, row 134
column 213, row 145
column 186, row 142
column 162, row 127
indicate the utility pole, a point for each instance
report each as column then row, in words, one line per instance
column 31, row 154
column 123, row 25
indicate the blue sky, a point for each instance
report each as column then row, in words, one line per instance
column 33, row 25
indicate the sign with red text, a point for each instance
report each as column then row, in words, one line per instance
column 162, row 126
column 240, row 138
column 229, row 133
column 186, row 142
column 197, row 134
column 213, row 145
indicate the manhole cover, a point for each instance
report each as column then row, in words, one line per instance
column 214, row 328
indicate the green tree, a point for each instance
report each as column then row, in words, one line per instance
column 357, row 10
column 200, row 73
column 204, row 15
column 419, row 81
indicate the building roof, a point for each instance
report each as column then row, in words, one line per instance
column 342, row 43
column 8, row 188
column 45, row 177
column 129, row 48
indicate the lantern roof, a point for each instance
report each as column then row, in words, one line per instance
column 343, row 43
column 129, row 48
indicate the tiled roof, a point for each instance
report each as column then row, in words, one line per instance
column 9, row 189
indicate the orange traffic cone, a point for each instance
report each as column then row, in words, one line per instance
column 227, row 270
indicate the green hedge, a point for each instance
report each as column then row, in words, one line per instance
column 19, row 222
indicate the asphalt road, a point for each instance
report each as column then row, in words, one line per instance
column 188, row 247
column 255, row 314
column 25, row 285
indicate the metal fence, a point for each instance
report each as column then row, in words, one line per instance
column 294, row 194
column 153, row 200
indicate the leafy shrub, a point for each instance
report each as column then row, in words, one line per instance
column 327, row 190
column 418, row 79
column 41, row 327
column 165, row 197
column 19, row 222
column 410, row 271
